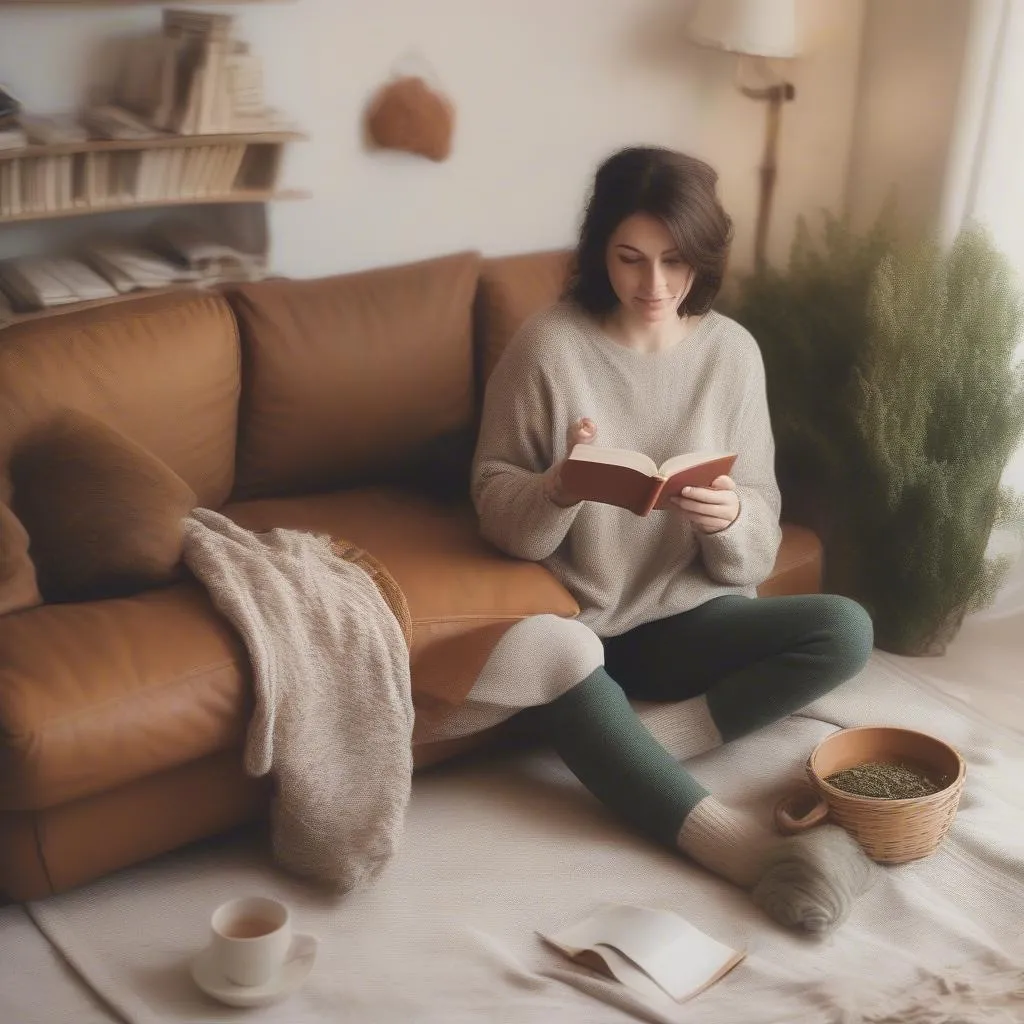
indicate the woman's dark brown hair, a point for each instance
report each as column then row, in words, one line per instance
column 677, row 189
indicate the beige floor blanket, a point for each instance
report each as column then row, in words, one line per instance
column 333, row 713
column 497, row 848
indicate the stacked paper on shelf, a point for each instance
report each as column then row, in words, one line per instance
column 40, row 283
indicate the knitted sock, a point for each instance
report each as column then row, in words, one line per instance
column 684, row 728
column 809, row 881
column 725, row 842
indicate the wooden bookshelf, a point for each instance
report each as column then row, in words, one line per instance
column 237, row 196
column 208, row 141
column 156, row 142
column 102, row 176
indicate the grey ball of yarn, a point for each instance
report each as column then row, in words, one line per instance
column 810, row 881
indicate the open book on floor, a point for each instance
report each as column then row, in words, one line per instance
column 632, row 480
column 653, row 952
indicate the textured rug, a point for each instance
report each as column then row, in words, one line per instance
column 499, row 847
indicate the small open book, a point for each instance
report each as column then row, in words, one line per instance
column 653, row 952
column 632, row 480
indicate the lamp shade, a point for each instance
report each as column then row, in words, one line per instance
column 761, row 28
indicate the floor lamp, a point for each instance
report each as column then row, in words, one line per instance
column 757, row 29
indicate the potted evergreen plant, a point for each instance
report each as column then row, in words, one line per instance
column 896, row 406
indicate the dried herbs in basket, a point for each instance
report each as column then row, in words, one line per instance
column 886, row 780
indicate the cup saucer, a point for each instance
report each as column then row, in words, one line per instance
column 296, row 968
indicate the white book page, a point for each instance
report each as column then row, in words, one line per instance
column 679, row 462
column 679, row 957
column 615, row 457
column 624, row 971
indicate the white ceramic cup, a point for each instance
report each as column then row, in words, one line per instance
column 251, row 939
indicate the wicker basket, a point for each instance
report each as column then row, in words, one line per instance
column 383, row 580
column 889, row 831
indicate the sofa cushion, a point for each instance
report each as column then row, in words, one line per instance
column 163, row 370
column 18, row 585
column 103, row 515
column 511, row 289
column 328, row 362
column 94, row 695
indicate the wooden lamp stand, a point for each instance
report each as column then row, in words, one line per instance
column 775, row 96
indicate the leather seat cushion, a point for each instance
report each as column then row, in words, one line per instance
column 94, row 695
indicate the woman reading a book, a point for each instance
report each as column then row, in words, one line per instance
column 633, row 357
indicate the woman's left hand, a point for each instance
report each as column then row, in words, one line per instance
column 710, row 509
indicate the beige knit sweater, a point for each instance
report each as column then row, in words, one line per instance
column 707, row 392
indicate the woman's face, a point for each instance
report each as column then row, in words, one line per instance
column 646, row 270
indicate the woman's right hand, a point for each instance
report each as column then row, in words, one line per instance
column 583, row 431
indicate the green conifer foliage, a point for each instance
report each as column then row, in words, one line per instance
column 893, row 388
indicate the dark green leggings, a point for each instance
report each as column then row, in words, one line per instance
column 757, row 659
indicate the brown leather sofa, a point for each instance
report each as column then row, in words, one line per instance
column 279, row 403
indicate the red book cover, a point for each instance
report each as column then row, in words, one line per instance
column 632, row 480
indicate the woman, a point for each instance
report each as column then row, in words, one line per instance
column 634, row 357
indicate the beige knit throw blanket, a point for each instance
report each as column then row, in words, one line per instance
column 333, row 717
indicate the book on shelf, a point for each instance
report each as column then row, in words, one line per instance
column 10, row 188
column 656, row 953
column 131, row 267
column 201, row 43
column 632, row 480
column 13, row 137
column 10, row 108
column 44, row 282
column 194, row 41
column 56, row 182
column 198, row 249
column 198, row 25
column 163, row 91
column 53, row 129
column 111, row 121
column 122, row 282
column 202, row 81
column 242, row 83
column 144, row 82
column 36, row 185
column 25, row 172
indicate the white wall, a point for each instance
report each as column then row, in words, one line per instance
column 995, row 195
column 543, row 89
column 912, row 55
column 984, row 178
